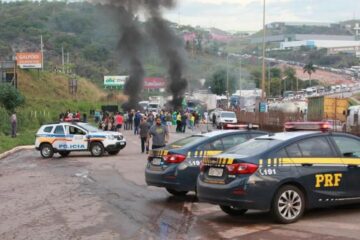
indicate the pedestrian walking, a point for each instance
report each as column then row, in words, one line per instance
column 13, row 122
column 144, row 132
column 159, row 135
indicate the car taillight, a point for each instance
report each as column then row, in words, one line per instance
column 242, row 168
column 202, row 167
column 174, row 158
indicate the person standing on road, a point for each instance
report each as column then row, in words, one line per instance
column 137, row 121
column 159, row 134
column 13, row 122
column 119, row 121
column 144, row 132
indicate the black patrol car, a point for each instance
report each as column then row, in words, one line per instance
column 285, row 173
column 176, row 167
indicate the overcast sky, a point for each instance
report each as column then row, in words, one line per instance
column 246, row 15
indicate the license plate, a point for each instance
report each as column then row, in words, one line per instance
column 216, row 172
column 156, row 161
column 122, row 143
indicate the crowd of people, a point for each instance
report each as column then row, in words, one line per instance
column 147, row 125
column 69, row 116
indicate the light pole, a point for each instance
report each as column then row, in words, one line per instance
column 263, row 59
column 227, row 79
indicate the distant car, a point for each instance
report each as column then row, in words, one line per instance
column 66, row 137
column 176, row 167
column 225, row 118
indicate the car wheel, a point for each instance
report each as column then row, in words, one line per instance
column 176, row 193
column 113, row 152
column 97, row 149
column 46, row 150
column 233, row 211
column 64, row 153
column 288, row 205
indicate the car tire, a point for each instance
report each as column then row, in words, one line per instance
column 46, row 150
column 233, row 211
column 176, row 193
column 64, row 153
column 288, row 205
column 97, row 149
column 113, row 152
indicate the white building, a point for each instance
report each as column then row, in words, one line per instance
column 319, row 44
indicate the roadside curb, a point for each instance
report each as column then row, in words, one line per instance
column 7, row 153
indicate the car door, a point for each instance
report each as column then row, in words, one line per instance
column 78, row 137
column 349, row 149
column 60, row 140
column 320, row 169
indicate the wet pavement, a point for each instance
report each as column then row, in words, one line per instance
column 81, row 197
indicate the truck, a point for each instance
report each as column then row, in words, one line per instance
column 353, row 120
column 324, row 107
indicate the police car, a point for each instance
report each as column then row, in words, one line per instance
column 285, row 173
column 176, row 167
column 65, row 137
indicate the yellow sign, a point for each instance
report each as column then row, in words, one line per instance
column 328, row 180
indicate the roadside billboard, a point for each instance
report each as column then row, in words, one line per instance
column 115, row 81
column 27, row 60
column 154, row 83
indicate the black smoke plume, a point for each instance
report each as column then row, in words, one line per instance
column 171, row 48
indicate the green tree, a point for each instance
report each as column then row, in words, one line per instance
column 10, row 97
column 309, row 69
column 290, row 79
column 218, row 82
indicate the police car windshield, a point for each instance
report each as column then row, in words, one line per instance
column 228, row 115
column 186, row 141
column 89, row 127
column 253, row 147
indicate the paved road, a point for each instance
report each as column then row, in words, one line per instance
column 81, row 197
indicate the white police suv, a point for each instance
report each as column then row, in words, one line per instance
column 66, row 137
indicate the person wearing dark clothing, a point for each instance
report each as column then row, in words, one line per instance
column 137, row 120
column 214, row 120
column 13, row 121
column 130, row 120
column 183, row 122
column 144, row 132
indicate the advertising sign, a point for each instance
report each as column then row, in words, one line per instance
column 28, row 60
column 154, row 83
column 115, row 81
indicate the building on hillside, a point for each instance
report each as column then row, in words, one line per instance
column 351, row 47
column 278, row 25
column 301, row 37
column 8, row 72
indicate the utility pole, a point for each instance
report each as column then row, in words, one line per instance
column 42, row 53
column 269, row 79
column 227, row 79
column 62, row 58
column 67, row 62
column 263, row 59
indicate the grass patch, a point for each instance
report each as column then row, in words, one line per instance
column 26, row 137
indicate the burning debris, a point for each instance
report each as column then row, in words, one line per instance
column 170, row 47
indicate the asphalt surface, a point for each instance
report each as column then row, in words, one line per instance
column 80, row 197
